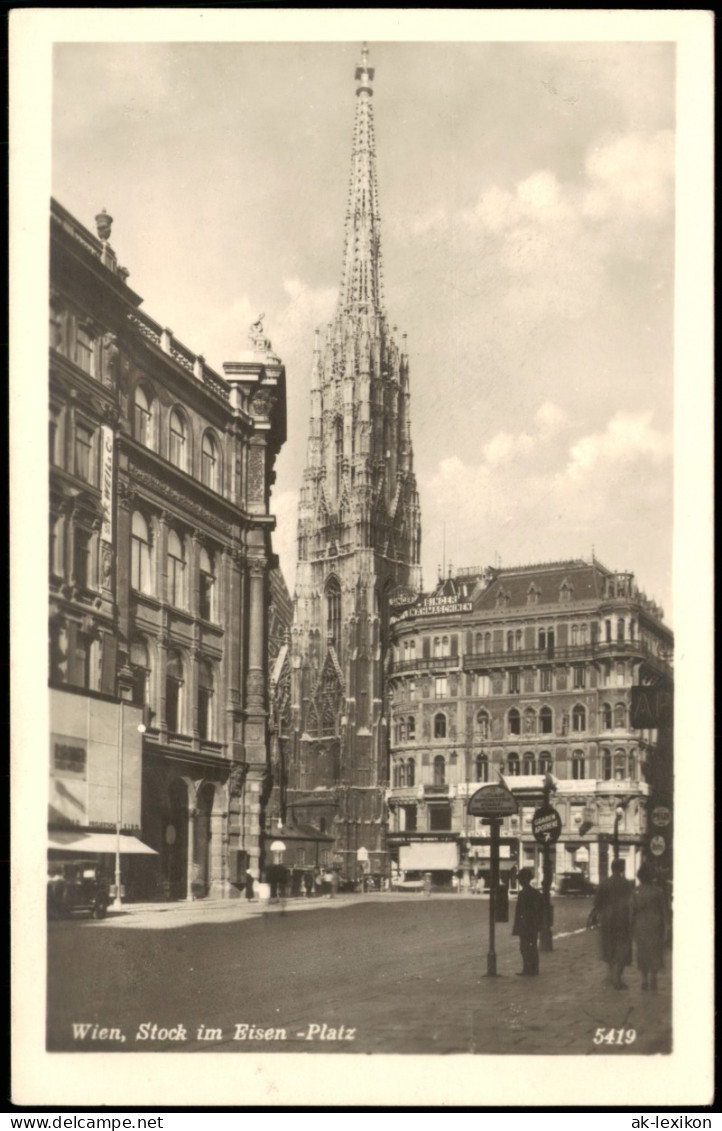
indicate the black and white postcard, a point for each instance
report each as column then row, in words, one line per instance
column 369, row 759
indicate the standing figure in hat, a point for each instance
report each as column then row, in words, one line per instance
column 527, row 921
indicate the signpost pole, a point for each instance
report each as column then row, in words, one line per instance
column 545, row 933
column 495, row 822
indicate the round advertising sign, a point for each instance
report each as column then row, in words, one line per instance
column 661, row 816
column 657, row 845
column 546, row 824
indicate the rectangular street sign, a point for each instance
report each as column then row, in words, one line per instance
column 492, row 801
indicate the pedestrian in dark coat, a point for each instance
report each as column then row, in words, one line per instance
column 613, row 911
column 249, row 886
column 527, row 921
column 649, row 927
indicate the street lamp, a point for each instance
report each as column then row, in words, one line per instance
column 118, row 902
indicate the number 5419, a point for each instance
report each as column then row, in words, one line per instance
column 615, row 1036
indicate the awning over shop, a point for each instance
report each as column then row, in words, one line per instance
column 61, row 840
column 421, row 857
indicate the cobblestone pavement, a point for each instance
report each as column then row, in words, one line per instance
column 405, row 973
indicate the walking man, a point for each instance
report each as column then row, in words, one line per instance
column 527, row 921
column 613, row 911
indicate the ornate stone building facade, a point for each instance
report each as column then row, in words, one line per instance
column 358, row 538
column 160, row 550
column 524, row 672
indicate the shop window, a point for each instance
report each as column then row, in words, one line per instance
column 210, row 461
column 176, row 570
column 440, row 768
column 546, row 720
column 178, row 440
column 205, row 700
column 140, row 561
column 206, row 586
column 579, row 718
column 514, row 721
column 440, row 726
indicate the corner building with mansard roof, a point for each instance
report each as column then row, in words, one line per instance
column 161, row 577
column 522, row 672
column 358, row 539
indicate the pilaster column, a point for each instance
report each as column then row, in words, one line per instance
column 255, row 679
column 190, row 870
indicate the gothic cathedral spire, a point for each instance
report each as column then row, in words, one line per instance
column 358, row 536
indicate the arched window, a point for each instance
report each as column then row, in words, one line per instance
column 482, row 722
column 517, row 640
column 333, row 611
column 401, row 773
column 437, row 646
column 478, row 642
column 487, row 642
column 176, row 570
column 144, row 418
column 444, row 646
column 529, row 721
column 512, row 765
column 440, row 726
column 439, row 769
column 620, row 765
column 140, row 666
column 607, row 765
column 578, row 765
column 575, row 634
column 178, row 449
column 140, row 571
column 514, row 721
column 174, row 683
column 482, row 767
column 529, row 764
column 206, row 586
column 606, row 716
column 579, row 718
column 205, row 700
column 620, row 716
column 410, row 772
column 583, row 633
column 401, row 731
column 411, row 728
column 210, row 461
column 546, row 720
column 545, row 762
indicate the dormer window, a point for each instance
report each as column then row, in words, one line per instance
column 566, row 589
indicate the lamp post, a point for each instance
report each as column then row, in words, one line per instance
column 118, row 902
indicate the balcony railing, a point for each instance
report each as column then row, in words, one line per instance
column 443, row 663
column 563, row 653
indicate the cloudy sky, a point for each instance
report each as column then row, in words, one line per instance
column 527, row 205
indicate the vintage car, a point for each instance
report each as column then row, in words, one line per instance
column 574, row 883
column 77, row 885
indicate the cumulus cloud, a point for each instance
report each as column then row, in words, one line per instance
column 630, row 176
column 627, row 437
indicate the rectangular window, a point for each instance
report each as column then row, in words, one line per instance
column 546, row 679
column 82, row 559
column 69, row 761
column 204, row 713
column 412, row 688
column 440, row 818
column 579, row 675
column 84, row 453
column 442, row 687
column 514, row 683
column 205, row 596
column 410, row 821
column 85, row 349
